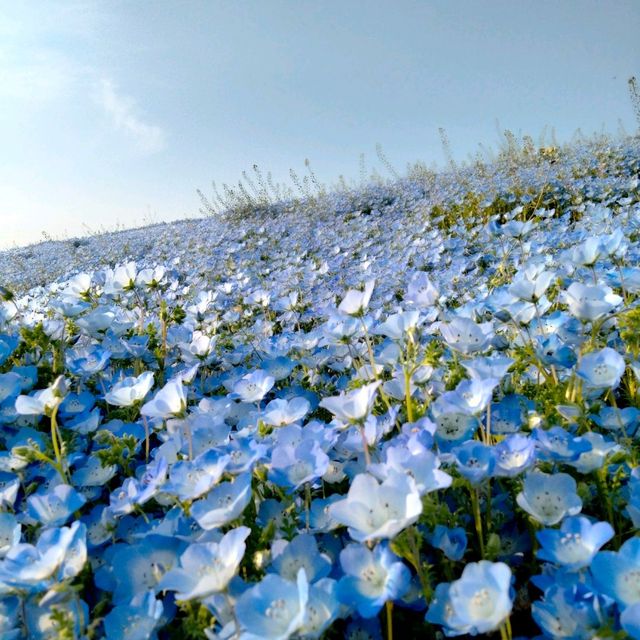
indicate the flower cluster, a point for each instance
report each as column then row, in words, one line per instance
column 417, row 415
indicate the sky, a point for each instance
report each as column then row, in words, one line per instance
column 113, row 113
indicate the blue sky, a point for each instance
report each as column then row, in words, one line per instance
column 113, row 113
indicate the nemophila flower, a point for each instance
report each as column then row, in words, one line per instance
column 617, row 573
column 553, row 351
column 352, row 406
column 482, row 368
column 224, row 503
column 56, row 506
column 633, row 505
column 587, row 253
column 279, row 368
column 302, row 552
column 281, row 412
column 398, row 325
column 602, row 369
column 170, row 401
column 137, row 620
column 464, row 335
column 75, row 404
column 59, row 554
column 151, row 277
column 43, row 402
column 478, row 602
column 10, row 610
column 137, row 491
column 371, row 578
column 514, row 455
column 420, row 291
column 568, row 611
column 8, row 344
column 78, row 287
column 630, row 620
column 596, row 457
column 474, row 460
column 10, row 386
column 120, row 279
column 9, row 487
column 190, row 479
column 574, row 545
column 54, row 614
column 508, row 415
column 624, row 420
column 374, row 511
column 355, row 302
column 322, row 608
column 206, row 568
column 451, row 541
column 293, row 466
column 472, row 396
column 130, row 390
column 531, row 283
column 453, row 428
column 589, row 303
column 516, row 228
column 419, row 463
column 87, row 361
column 273, row 609
column 253, row 387
column 10, row 532
column 549, row 497
column 139, row 567
column 559, row 445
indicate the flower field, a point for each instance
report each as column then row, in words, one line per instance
column 404, row 409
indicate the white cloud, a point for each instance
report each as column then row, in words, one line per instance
column 122, row 111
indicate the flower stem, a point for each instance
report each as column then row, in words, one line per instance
column 55, row 440
column 475, row 504
column 389, row 611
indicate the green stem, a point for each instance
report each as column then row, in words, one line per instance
column 477, row 517
column 389, row 611
column 55, row 440
column 407, row 394
column 417, row 564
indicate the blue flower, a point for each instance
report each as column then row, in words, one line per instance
column 224, row 503
column 558, row 444
column 10, row 532
column 453, row 542
column 137, row 620
column 374, row 511
column 514, row 454
column 301, row 552
column 56, row 506
column 206, row 568
column 475, row 461
column 58, row 555
column 617, row 573
column 478, row 602
column 574, row 545
column 322, row 608
column 602, row 369
column 549, row 498
column 273, row 609
column 464, row 335
column 137, row 568
column 292, row 467
column 630, row 621
column 371, row 578
column 190, row 479
column 568, row 611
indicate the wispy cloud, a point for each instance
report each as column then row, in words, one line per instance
column 125, row 117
